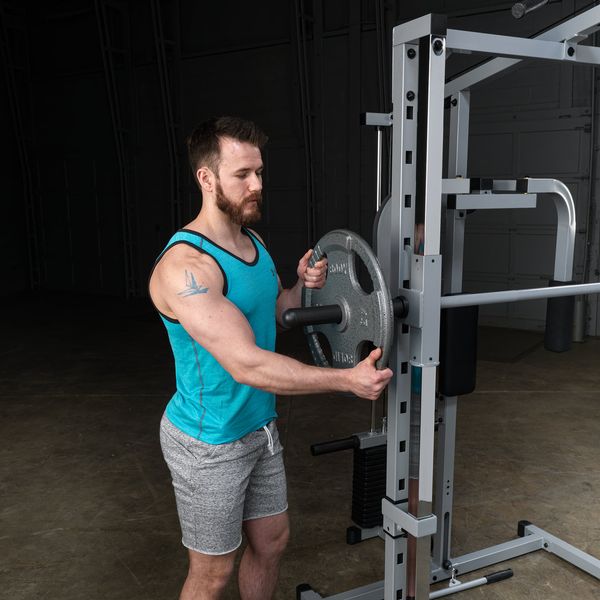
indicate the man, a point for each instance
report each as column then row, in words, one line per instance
column 219, row 296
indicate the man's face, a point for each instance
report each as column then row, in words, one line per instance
column 238, row 188
column 245, row 212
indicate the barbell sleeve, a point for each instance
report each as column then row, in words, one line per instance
column 330, row 313
column 312, row 315
column 400, row 304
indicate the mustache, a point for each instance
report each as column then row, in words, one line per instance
column 254, row 197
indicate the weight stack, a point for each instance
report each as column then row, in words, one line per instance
column 368, row 485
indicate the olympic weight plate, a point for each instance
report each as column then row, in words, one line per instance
column 366, row 316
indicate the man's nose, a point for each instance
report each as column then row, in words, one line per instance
column 255, row 183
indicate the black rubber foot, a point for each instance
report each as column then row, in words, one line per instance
column 353, row 535
column 521, row 527
column 499, row 576
column 302, row 587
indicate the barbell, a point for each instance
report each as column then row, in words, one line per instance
column 351, row 318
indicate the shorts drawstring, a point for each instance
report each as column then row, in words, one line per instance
column 270, row 444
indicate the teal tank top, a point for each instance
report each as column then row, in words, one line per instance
column 208, row 403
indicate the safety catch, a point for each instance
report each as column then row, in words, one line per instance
column 395, row 518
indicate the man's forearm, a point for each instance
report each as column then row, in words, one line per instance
column 281, row 374
column 289, row 298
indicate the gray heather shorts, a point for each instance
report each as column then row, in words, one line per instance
column 217, row 487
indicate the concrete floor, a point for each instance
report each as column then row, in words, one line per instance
column 87, row 508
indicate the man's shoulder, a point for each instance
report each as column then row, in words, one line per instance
column 257, row 236
column 183, row 257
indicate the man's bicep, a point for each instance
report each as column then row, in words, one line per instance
column 196, row 298
column 215, row 323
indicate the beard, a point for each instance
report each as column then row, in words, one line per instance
column 246, row 212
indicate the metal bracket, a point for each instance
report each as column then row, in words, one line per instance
column 369, row 440
column 426, row 276
column 377, row 119
column 396, row 520
column 456, row 185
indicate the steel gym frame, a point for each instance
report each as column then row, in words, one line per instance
column 417, row 532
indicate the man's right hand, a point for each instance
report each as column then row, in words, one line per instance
column 366, row 380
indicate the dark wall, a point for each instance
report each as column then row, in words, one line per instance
column 106, row 207
column 108, row 195
column 14, row 269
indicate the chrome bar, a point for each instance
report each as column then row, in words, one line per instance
column 518, row 295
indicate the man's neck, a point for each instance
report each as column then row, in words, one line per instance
column 217, row 226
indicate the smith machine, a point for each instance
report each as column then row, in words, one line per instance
column 421, row 319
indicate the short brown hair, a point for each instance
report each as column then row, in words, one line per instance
column 204, row 142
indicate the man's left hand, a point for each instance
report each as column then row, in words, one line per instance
column 312, row 277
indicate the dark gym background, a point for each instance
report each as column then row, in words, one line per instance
column 96, row 99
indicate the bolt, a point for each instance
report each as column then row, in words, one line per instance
column 410, row 96
column 411, row 53
column 571, row 51
column 438, row 46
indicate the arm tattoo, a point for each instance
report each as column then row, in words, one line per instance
column 192, row 286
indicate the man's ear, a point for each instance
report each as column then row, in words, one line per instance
column 206, row 179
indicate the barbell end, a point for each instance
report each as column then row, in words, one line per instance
column 312, row 315
column 331, row 313
column 400, row 304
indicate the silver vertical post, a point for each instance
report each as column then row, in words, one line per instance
column 453, row 273
column 457, row 167
column 426, row 277
column 377, row 208
column 392, row 254
column 379, row 168
column 418, row 101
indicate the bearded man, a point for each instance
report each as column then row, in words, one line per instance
column 218, row 294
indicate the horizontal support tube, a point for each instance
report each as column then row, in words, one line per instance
column 518, row 295
column 572, row 28
column 332, row 313
column 491, row 201
column 490, row 43
column 467, row 585
column 503, row 45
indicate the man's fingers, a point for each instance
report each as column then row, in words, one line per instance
column 312, row 277
column 303, row 262
column 306, row 257
column 374, row 356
